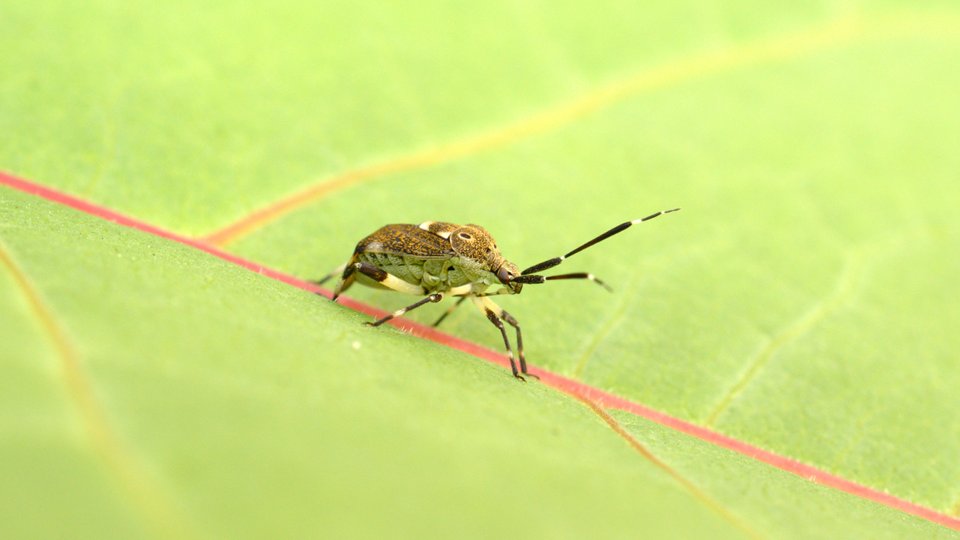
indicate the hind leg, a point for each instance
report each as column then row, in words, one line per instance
column 336, row 271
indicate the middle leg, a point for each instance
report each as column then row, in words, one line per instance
column 449, row 311
column 435, row 297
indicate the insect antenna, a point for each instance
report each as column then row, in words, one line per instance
column 575, row 275
column 550, row 263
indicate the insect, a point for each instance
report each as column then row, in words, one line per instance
column 436, row 260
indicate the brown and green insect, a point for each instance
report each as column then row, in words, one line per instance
column 437, row 259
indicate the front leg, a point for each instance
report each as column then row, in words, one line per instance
column 496, row 315
column 523, row 361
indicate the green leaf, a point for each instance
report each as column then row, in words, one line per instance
column 800, row 302
column 191, row 397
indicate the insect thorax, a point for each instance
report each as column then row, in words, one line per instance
column 434, row 275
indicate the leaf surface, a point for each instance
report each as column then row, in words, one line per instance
column 195, row 398
column 800, row 301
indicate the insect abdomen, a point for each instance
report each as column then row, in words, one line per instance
column 434, row 275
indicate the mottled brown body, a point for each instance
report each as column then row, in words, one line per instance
column 436, row 259
column 435, row 256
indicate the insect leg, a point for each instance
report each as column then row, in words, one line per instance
column 523, row 361
column 494, row 314
column 346, row 279
column 435, row 297
column 337, row 271
column 449, row 311
column 393, row 282
column 387, row 279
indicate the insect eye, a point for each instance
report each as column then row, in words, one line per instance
column 465, row 236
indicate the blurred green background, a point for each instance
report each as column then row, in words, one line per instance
column 803, row 301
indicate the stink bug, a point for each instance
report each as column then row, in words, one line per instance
column 437, row 259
